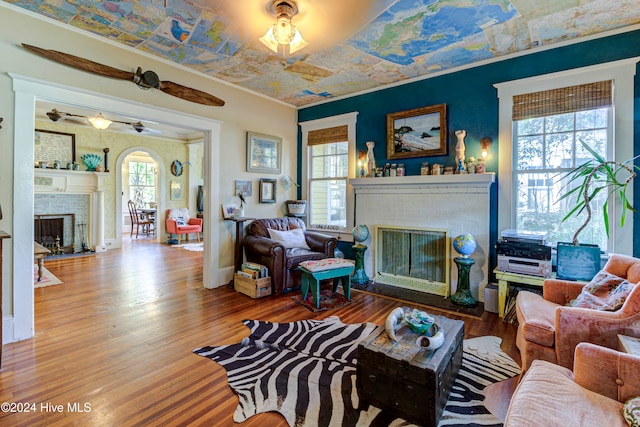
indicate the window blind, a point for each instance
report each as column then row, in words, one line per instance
column 328, row 135
column 563, row 100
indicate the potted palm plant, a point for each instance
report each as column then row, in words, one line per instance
column 595, row 177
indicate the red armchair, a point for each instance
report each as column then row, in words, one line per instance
column 179, row 222
column 549, row 330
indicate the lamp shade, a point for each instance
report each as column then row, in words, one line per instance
column 99, row 122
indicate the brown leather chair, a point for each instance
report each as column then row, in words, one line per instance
column 283, row 262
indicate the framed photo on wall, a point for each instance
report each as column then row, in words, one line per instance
column 176, row 190
column 267, row 190
column 50, row 146
column 419, row 132
column 244, row 187
column 263, row 153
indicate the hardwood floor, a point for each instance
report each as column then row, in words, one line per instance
column 116, row 340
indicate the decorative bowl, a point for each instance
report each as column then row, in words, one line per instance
column 419, row 321
column 91, row 161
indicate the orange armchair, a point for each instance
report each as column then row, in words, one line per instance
column 549, row 330
column 189, row 225
column 593, row 395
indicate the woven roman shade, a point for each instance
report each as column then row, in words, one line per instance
column 328, row 135
column 563, row 100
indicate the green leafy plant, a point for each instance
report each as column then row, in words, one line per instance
column 599, row 175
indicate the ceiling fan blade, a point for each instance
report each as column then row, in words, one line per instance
column 190, row 94
column 80, row 63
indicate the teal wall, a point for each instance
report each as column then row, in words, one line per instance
column 472, row 105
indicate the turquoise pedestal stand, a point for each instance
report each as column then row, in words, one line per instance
column 359, row 275
column 463, row 295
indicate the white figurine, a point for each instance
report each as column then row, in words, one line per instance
column 460, row 148
column 371, row 160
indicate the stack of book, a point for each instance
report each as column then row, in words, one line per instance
column 253, row 270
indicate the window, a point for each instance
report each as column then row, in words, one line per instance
column 546, row 148
column 328, row 162
column 142, row 183
column 536, row 148
column 328, row 174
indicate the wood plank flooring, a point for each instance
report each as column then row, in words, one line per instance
column 113, row 344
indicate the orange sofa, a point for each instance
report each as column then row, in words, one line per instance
column 549, row 330
column 592, row 395
column 190, row 225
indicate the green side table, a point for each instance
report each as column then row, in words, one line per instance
column 359, row 275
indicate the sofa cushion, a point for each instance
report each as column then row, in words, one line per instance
column 547, row 395
column 297, row 255
column 260, row 227
column 289, row 238
column 537, row 318
column 605, row 292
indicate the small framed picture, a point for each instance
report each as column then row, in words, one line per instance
column 263, row 153
column 267, row 190
column 244, row 187
column 176, row 190
column 228, row 210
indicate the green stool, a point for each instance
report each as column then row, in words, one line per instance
column 311, row 279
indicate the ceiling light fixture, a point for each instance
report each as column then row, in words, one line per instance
column 99, row 122
column 283, row 32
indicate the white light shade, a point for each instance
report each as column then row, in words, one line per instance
column 297, row 43
column 99, row 122
column 284, row 32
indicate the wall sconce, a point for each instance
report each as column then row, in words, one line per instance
column 485, row 144
column 362, row 161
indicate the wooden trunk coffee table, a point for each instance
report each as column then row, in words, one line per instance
column 406, row 380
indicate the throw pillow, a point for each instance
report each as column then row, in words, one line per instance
column 605, row 292
column 289, row 238
column 180, row 220
column 631, row 412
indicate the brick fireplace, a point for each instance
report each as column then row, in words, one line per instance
column 458, row 204
column 75, row 197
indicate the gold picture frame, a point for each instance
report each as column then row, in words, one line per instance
column 419, row 132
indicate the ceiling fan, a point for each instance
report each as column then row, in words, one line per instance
column 56, row 115
column 144, row 80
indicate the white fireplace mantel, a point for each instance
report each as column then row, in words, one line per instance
column 48, row 181
column 415, row 181
column 457, row 203
column 64, row 181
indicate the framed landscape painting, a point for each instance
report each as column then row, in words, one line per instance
column 419, row 132
column 263, row 153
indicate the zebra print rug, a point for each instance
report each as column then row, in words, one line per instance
column 306, row 371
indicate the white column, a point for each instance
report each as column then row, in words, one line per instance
column 100, row 245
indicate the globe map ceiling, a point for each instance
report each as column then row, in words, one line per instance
column 403, row 39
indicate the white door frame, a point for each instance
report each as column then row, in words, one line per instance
column 27, row 91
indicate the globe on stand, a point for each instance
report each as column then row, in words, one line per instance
column 360, row 233
column 465, row 245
